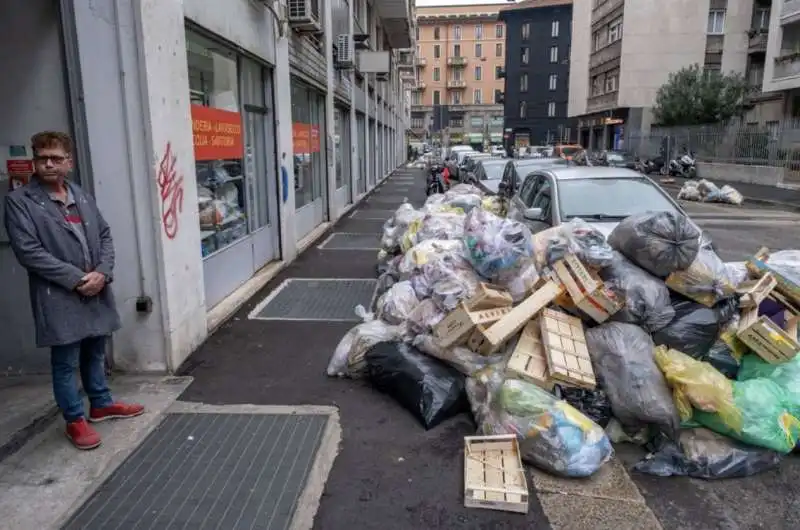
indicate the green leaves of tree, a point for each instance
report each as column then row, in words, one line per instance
column 693, row 96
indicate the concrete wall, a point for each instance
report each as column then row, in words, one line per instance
column 738, row 19
column 579, row 58
column 648, row 57
column 765, row 175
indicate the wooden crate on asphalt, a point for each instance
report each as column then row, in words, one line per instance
column 529, row 360
column 753, row 292
column 565, row 346
column 493, row 474
column 586, row 289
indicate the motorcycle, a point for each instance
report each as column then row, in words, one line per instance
column 436, row 180
column 651, row 165
column 683, row 166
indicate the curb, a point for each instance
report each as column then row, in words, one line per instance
column 751, row 200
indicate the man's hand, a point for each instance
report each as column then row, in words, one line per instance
column 93, row 283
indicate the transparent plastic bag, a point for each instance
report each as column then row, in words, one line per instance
column 659, row 242
column 588, row 243
column 705, row 281
column 437, row 226
column 737, row 272
column 698, row 385
column 424, row 318
column 701, row 453
column 520, row 280
column 552, row 434
column 730, row 195
column 784, row 265
column 348, row 357
column 494, row 204
column 397, row 303
column 462, row 359
column 448, row 251
column 466, row 202
column 493, row 243
column 689, row 192
column 462, row 189
column 622, row 357
column 647, row 300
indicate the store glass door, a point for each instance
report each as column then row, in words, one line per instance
column 310, row 168
column 341, row 138
column 372, row 172
column 361, row 126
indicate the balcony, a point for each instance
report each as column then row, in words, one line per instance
column 605, row 8
column 604, row 55
column 602, row 102
column 790, row 12
column 456, row 84
column 456, row 61
column 758, row 41
column 419, row 86
column 397, row 17
column 787, row 66
column 422, row 62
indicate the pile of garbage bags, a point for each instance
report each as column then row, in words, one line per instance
column 706, row 191
column 671, row 372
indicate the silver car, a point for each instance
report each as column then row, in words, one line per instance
column 601, row 196
column 517, row 170
column 488, row 174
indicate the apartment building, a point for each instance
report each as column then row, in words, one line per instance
column 238, row 133
column 538, row 35
column 460, row 60
column 782, row 57
column 624, row 50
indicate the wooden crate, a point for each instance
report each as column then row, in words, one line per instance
column 753, row 292
column 493, row 474
column 565, row 347
column 792, row 314
column 758, row 266
column 767, row 339
column 488, row 340
column 455, row 328
column 586, row 289
column 489, row 297
column 529, row 360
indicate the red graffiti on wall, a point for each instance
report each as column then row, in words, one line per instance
column 170, row 186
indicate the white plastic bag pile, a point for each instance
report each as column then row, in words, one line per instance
column 706, row 191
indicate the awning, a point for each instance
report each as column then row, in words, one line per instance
column 475, row 138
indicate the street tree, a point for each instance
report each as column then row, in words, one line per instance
column 693, row 96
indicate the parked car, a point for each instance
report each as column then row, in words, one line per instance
column 497, row 150
column 517, row 169
column 601, row 196
column 468, row 166
column 488, row 174
column 566, row 151
column 616, row 159
column 455, row 158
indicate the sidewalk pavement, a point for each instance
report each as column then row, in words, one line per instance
column 391, row 474
column 754, row 194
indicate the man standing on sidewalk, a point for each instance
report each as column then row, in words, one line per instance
column 60, row 237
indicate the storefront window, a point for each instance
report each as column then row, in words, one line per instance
column 308, row 108
column 218, row 143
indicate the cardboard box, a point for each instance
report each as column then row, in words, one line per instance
column 488, row 339
column 489, row 297
column 529, row 360
column 565, row 346
column 586, row 289
column 455, row 328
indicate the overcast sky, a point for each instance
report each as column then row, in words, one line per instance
column 429, row 3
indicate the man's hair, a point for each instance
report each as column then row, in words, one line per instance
column 51, row 140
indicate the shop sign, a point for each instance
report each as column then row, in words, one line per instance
column 217, row 134
column 19, row 172
column 301, row 135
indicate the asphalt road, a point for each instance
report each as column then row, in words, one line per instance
column 393, row 475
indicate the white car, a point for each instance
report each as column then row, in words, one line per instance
column 497, row 150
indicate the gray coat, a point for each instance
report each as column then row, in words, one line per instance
column 51, row 252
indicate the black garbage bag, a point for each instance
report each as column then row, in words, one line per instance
column 659, row 242
column 426, row 387
column 647, row 301
column 695, row 328
column 701, row 453
column 721, row 358
column 593, row 403
column 622, row 356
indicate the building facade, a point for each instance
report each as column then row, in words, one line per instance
column 219, row 141
column 780, row 44
column 538, row 37
column 618, row 63
column 460, row 55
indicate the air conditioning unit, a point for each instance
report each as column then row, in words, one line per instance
column 304, row 16
column 345, row 54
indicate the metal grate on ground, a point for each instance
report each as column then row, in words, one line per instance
column 372, row 215
column 350, row 241
column 395, row 199
column 330, row 300
column 231, row 471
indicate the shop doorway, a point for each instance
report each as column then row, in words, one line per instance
column 361, row 131
column 372, row 173
column 34, row 96
column 344, row 174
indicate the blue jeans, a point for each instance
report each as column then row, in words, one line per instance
column 90, row 355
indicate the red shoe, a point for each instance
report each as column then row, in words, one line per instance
column 115, row 410
column 81, row 434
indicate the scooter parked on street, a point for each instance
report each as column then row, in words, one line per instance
column 438, row 181
column 683, row 166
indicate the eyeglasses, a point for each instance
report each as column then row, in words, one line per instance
column 55, row 159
